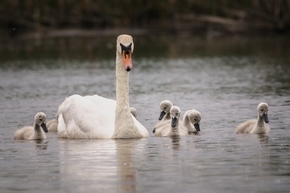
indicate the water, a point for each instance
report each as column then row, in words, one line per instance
column 223, row 78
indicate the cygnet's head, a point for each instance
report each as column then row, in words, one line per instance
column 133, row 112
column 194, row 117
column 40, row 119
column 165, row 107
column 263, row 111
column 175, row 114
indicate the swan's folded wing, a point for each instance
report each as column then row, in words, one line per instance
column 81, row 116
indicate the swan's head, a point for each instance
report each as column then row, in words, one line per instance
column 194, row 117
column 133, row 112
column 40, row 119
column 165, row 107
column 175, row 114
column 125, row 47
column 263, row 111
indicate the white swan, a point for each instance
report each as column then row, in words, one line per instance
column 191, row 120
column 165, row 107
column 99, row 117
column 53, row 123
column 258, row 125
column 174, row 128
column 35, row 132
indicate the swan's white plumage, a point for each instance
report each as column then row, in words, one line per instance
column 98, row 117
column 258, row 126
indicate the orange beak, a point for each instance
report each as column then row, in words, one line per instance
column 127, row 60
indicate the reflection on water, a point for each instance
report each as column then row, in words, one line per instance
column 223, row 78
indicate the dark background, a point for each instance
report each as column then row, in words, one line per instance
column 162, row 16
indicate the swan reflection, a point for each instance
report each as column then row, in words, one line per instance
column 101, row 164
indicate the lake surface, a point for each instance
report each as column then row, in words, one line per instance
column 224, row 78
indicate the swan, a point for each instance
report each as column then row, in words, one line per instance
column 53, row 123
column 191, row 120
column 133, row 111
column 98, row 117
column 165, row 107
column 35, row 132
column 173, row 128
column 258, row 125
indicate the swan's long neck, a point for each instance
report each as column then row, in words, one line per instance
column 124, row 123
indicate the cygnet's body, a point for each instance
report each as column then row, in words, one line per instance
column 35, row 132
column 191, row 120
column 164, row 117
column 259, row 125
column 173, row 128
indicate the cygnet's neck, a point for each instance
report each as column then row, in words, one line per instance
column 38, row 132
column 167, row 116
column 187, row 124
column 260, row 126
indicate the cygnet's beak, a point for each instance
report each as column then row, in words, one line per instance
column 162, row 113
column 265, row 117
column 43, row 126
column 173, row 121
column 196, row 126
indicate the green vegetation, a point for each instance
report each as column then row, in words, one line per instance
column 228, row 15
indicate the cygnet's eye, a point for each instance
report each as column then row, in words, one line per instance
column 40, row 119
column 262, row 110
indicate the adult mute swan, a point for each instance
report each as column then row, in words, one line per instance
column 52, row 124
column 173, row 128
column 35, row 132
column 191, row 120
column 258, row 125
column 164, row 116
column 99, row 117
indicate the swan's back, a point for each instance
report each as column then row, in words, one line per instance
column 74, row 112
column 246, row 127
column 24, row 133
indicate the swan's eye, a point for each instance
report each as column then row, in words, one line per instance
column 262, row 110
column 194, row 119
column 40, row 119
